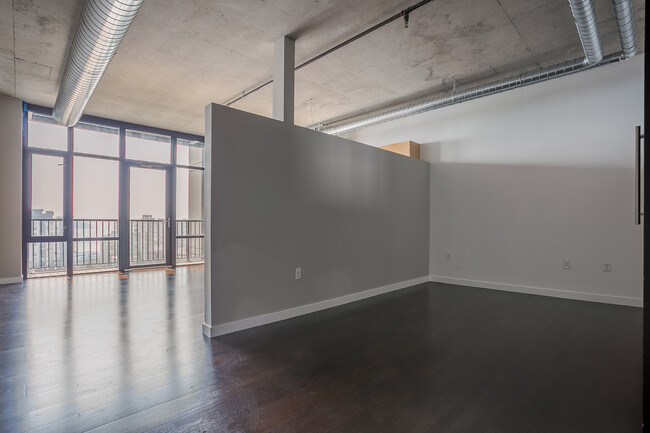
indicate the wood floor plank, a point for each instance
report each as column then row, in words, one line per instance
column 104, row 354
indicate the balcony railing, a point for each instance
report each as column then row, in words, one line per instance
column 189, row 241
column 46, row 258
column 47, row 227
column 95, row 245
column 148, row 242
column 93, row 228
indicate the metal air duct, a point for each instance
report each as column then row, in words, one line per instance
column 625, row 24
column 584, row 15
column 101, row 28
column 455, row 97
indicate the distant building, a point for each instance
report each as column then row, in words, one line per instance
column 40, row 214
column 148, row 240
column 44, row 223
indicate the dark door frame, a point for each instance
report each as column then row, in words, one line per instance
column 125, row 217
column 646, row 252
column 27, row 204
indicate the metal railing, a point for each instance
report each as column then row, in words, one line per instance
column 148, row 242
column 46, row 258
column 95, row 255
column 95, row 245
column 189, row 241
column 95, row 228
column 47, row 227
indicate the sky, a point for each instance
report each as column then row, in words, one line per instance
column 96, row 181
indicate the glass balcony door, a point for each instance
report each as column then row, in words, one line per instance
column 149, row 215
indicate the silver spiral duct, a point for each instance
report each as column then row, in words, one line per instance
column 101, row 28
column 455, row 97
column 584, row 15
column 625, row 23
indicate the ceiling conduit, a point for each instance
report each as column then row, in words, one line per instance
column 625, row 24
column 585, row 18
column 101, row 28
column 455, row 97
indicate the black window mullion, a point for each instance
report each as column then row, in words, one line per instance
column 171, row 210
column 123, row 225
column 27, row 202
column 67, row 201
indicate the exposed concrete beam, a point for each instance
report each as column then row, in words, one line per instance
column 284, row 59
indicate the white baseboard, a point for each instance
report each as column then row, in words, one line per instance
column 565, row 294
column 207, row 330
column 11, row 280
column 251, row 322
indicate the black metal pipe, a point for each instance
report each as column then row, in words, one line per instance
column 404, row 13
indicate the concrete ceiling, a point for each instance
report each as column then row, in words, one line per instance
column 179, row 56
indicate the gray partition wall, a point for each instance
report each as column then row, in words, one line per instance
column 353, row 218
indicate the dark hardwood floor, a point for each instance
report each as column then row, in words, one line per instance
column 111, row 355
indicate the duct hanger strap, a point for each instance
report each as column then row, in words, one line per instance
column 100, row 31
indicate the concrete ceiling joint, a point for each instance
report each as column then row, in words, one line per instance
column 584, row 14
column 625, row 24
column 100, row 31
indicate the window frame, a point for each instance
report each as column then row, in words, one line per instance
column 68, row 193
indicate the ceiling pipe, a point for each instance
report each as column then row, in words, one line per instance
column 101, row 28
column 625, row 24
column 584, row 15
column 455, row 97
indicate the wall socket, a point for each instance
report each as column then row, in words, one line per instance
column 566, row 264
column 607, row 267
column 298, row 273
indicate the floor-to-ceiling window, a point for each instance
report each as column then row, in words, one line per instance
column 189, row 201
column 106, row 195
column 95, row 198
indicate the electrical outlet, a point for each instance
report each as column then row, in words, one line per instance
column 448, row 256
column 607, row 267
column 298, row 273
column 566, row 264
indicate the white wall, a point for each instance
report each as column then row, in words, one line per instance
column 523, row 179
column 279, row 197
column 11, row 163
